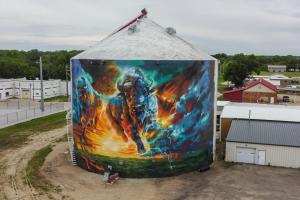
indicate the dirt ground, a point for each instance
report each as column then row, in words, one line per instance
column 14, row 161
column 222, row 181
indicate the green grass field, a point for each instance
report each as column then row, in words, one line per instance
column 221, row 86
column 146, row 168
column 16, row 135
column 288, row 74
column 57, row 99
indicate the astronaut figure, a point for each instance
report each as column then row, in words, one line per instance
column 133, row 111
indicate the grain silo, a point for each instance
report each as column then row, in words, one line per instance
column 143, row 102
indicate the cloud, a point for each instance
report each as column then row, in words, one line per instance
column 231, row 26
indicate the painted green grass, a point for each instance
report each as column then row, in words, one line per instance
column 57, row 99
column 14, row 136
column 146, row 168
column 33, row 175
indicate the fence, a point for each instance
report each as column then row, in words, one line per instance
column 17, row 104
column 28, row 111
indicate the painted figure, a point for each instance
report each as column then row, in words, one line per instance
column 133, row 111
column 88, row 103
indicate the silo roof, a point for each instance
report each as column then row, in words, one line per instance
column 144, row 40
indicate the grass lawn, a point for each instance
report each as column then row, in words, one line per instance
column 221, row 86
column 33, row 175
column 288, row 74
column 16, row 135
column 57, row 99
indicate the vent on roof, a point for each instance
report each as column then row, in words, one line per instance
column 171, row 31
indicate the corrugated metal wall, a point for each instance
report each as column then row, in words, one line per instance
column 280, row 156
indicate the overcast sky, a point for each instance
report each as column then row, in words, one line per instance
column 266, row 27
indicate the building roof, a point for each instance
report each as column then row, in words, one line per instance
column 279, row 77
column 235, row 95
column 222, row 103
column 265, row 132
column 253, row 83
column 269, row 112
column 261, row 81
column 144, row 40
column 277, row 66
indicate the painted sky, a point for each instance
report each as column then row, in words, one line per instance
column 259, row 26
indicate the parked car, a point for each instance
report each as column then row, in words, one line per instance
column 286, row 99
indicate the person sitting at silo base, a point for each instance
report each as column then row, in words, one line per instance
column 109, row 176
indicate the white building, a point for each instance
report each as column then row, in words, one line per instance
column 262, row 134
column 261, row 142
column 276, row 68
column 31, row 89
column 278, row 80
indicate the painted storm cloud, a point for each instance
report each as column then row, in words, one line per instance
column 143, row 117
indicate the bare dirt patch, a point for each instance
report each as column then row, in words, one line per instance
column 232, row 181
column 14, row 161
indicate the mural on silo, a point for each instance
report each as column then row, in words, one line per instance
column 144, row 118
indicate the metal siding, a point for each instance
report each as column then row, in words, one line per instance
column 264, row 132
column 233, row 96
column 262, row 112
column 279, row 156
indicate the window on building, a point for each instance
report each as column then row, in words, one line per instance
column 7, row 94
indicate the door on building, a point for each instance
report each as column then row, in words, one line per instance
column 261, row 157
column 245, row 155
column 25, row 94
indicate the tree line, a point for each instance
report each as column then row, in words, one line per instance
column 236, row 68
column 19, row 64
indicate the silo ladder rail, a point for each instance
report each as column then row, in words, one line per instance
column 71, row 147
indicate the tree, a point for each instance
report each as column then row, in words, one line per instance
column 291, row 62
column 18, row 64
column 240, row 67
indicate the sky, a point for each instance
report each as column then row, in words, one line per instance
column 263, row 27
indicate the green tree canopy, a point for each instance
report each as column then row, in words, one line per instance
column 19, row 64
column 240, row 67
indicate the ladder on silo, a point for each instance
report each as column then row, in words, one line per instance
column 70, row 139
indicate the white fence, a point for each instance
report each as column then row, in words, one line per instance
column 17, row 111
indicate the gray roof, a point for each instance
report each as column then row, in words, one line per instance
column 150, row 41
column 264, row 132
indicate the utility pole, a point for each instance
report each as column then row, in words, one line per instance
column 33, row 90
column 67, row 84
column 42, row 88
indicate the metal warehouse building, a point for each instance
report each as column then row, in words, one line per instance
column 268, row 112
column 271, row 143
